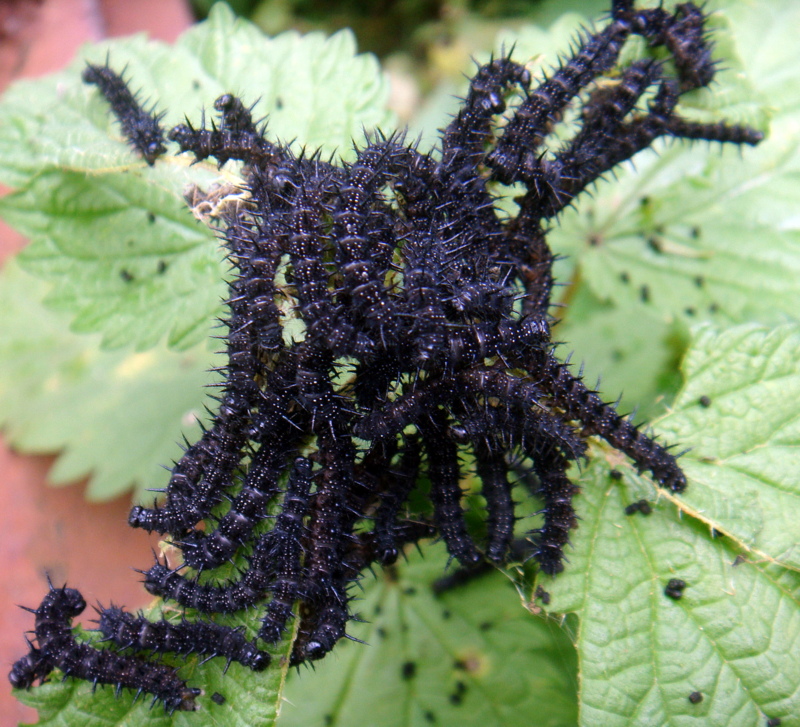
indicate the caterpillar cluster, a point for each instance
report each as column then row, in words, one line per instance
column 426, row 338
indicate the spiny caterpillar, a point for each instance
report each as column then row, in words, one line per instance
column 427, row 338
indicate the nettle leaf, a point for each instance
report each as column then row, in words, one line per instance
column 641, row 653
column 739, row 413
column 730, row 636
column 114, row 416
column 631, row 352
column 766, row 43
column 469, row 656
column 250, row 699
column 126, row 256
column 315, row 89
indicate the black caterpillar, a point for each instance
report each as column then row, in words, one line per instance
column 141, row 128
column 427, row 338
column 195, row 637
column 57, row 648
column 287, row 553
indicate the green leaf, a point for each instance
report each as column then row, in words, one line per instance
column 471, row 656
column 632, row 352
column 315, row 89
column 745, row 441
column 251, row 699
column 115, row 416
column 642, row 653
column 127, row 258
column 768, row 45
column 694, row 236
column 731, row 637
column 546, row 12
